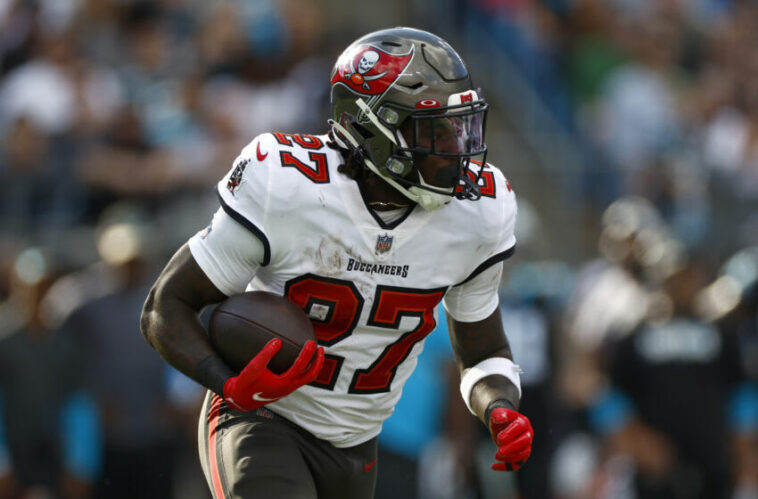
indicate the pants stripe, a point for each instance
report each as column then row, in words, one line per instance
column 213, row 416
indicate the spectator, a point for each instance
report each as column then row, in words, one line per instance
column 418, row 421
column 531, row 301
column 128, row 378
column 49, row 431
column 674, row 366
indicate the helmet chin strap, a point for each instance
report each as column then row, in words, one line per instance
column 428, row 200
column 342, row 133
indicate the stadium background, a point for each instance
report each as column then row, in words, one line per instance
column 627, row 128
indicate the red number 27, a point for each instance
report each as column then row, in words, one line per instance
column 338, row 306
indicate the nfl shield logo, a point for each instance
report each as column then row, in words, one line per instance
column 383, row 244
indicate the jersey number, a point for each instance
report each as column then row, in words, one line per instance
column 317, row 170
column 335, row 306
column 486, row 181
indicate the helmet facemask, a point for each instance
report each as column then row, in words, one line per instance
column 430, row 152
column 440, row 144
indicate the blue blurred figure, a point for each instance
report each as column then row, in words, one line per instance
column 418, row 419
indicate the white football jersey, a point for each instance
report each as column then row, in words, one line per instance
column 370, row 288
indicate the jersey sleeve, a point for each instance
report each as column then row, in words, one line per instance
column 232, row 248
column 476, row 297
column 498, row 235
column 227, row 253
column 244, row 193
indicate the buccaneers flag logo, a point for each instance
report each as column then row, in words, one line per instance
column 235, row 179
column 369, row 70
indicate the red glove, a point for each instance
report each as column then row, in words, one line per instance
column 512, row 433
column 257, row 386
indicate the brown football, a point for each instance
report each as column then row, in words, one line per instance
column 242, row 324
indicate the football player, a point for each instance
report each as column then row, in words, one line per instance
column 367, row 229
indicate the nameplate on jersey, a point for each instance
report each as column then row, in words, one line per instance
column 354, row 265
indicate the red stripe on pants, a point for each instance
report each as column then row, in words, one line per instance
column 213, row 415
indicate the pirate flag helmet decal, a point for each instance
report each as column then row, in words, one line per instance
column 369, row 70
column 400, row 95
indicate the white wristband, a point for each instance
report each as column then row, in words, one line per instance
column 487, row 367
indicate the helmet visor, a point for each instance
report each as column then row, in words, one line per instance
column 456, row 131
column 456, row 135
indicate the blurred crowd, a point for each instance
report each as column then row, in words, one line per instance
column 638, row 336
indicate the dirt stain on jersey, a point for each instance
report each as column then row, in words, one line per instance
column 329, row 257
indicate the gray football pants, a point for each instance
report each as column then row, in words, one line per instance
column 260, row 455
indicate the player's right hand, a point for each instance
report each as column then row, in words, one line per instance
column 257, row 386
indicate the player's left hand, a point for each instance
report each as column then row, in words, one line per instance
column 512, row 433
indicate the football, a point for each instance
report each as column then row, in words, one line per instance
column 242, row 324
